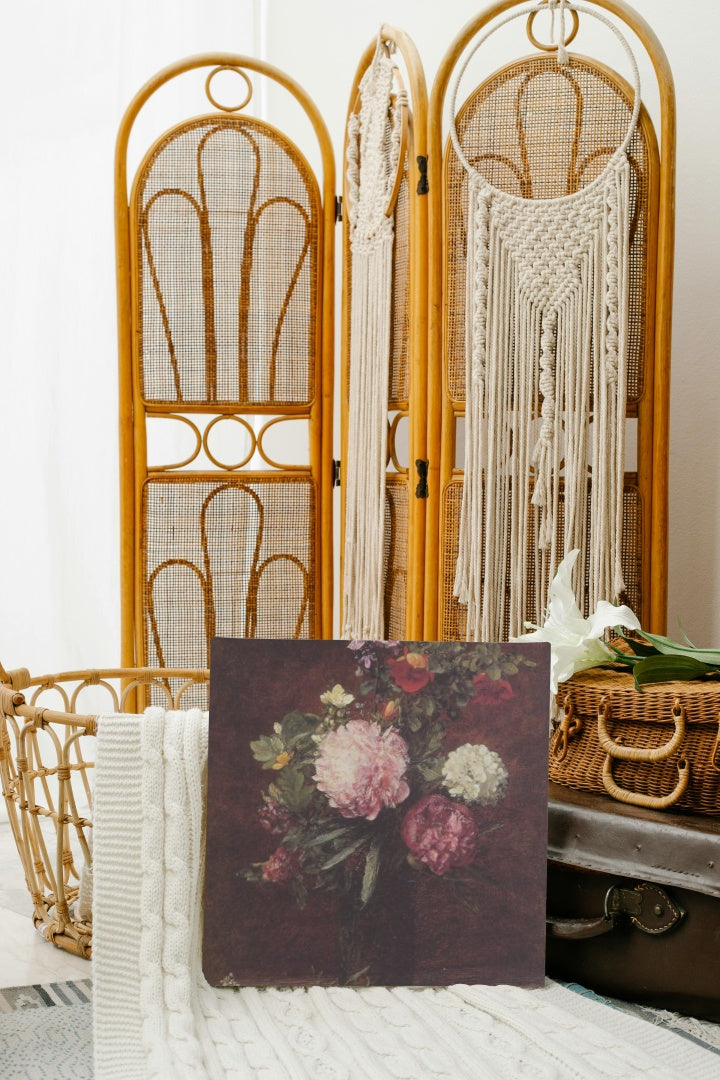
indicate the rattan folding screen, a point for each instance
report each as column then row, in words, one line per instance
column 225, row 255
column 539, row 130
column 225, row 285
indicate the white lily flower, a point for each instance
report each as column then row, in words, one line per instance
column 575, row 641
column 337, row 697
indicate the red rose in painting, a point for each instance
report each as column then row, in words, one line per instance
column 282, row 865
column 490, row 691
column 274, row 817
column 410, row 672
column 440, row 833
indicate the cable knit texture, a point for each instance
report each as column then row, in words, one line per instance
column 155, row 1015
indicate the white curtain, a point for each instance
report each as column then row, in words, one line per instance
column 69, row 69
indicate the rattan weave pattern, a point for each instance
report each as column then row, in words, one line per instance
column 399, row 370
column 642, row 720
column 232, row 557
column 226, row 215
column 396, row 554
column 538, row 130
column 453, row 626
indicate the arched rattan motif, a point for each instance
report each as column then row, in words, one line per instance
column 225, row 286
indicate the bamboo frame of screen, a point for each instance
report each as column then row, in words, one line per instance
column 134, row 410
column 44, row 777
column 417, row 239
column 653, row 411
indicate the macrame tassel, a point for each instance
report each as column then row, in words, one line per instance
column 367, row 444
column 471, row 536
column 562, row 56
column 542, row 459
column 547, row 321
column 370, row 172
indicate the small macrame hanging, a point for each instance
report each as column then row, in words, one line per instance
column 546, row 329
column 373, row 162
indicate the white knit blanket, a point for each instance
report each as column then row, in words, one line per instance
column 155, row 1015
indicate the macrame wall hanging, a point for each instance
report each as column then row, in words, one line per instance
column 375, row 153
column 546, row 339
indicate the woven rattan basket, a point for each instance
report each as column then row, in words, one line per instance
column 46, row 761
column 658, row 747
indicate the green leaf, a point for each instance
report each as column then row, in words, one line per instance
column 671, row 648
column 328, row 835
column 639, row 648
column 267, row 748
column 653, row 669
column 343, row 853
column 370, row 875
column 297, row 726
column 687, row 639
column 620, row 657
column 292, row 789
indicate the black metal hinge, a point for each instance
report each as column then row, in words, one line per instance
column 336, row 474
column 421, row 491
column 422, row 187
column 338, row 208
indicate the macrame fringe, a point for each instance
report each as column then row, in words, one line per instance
column 371, row 166
column 547, row 301
column 546, row 352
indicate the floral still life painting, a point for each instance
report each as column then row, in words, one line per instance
column 376, row 813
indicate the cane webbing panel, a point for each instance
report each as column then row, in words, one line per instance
column 452, row 625
column 396, row 554
column 232, row 557
column 539, row 131
column 399, row 375
column 226, row 215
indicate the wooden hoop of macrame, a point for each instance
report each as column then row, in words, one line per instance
column 374, row 160
column 546, row 322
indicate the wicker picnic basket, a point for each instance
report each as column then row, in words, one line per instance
column 658, row 747
column 46, row 758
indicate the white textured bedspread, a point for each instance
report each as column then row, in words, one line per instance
column 155, row 1015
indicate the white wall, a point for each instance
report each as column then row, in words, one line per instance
column 67, row 72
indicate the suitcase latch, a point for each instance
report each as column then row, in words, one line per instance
column 646, row 905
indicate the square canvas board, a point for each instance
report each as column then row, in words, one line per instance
column 376, row 813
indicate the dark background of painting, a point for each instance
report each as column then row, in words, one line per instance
column 255, row 934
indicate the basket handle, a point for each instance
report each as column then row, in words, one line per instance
column 715, row 755
column 634, row 753
column 570, row 726
column 651, row 802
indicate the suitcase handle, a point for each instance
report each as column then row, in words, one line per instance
column 647, row 905
column 635, row 753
